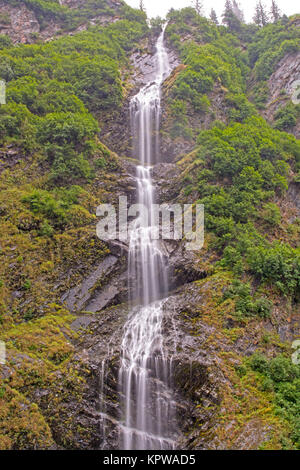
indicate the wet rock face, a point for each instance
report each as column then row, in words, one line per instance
column 281, row 87
column 194, row 379
column 19, row 23
column 104, row 286
column 22, row 24
column 290, row 203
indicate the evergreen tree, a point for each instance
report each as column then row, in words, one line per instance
column 229, row 18
column 227, row 12
column 213, row 16
column 264, row 14
column 260, row 16
column 142, row 6
column 198, row 7
column 275, row 11
column 256, row 17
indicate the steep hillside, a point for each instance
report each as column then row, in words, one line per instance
column 274, row 56
column 54, row 174
column 246, row 174
column 31, row 20
column 229, row 141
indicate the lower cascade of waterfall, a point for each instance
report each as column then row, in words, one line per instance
column 145, row 375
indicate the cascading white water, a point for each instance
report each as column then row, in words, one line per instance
column 145, row 372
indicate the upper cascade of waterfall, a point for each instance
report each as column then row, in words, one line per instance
column 145, row 108
column 151, row 90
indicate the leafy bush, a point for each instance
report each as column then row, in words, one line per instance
column 270, row 214
column 180, row 121
column 245, row 305
column 54, row 208
column 278, row 264
column 52, row 87
column 283, row 378
column 5, row 41
column 66, row 128
column 286, row 117
column 42, row 202
column 239, row 107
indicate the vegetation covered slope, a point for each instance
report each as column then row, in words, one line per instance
column 54, row 173
column 241, row 168
column 67, row 15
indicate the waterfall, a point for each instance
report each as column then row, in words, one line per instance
column 145, row 371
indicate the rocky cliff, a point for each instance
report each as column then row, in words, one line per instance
column 27, row 22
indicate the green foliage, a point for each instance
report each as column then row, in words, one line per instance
column 286, row 117
column 239, row 107
column 44, row 8
column 71, row 18
column 187, row 20
column 214, row 63
column 244, row 166
column 278, row 264
column 46, row 97
column 52, row 87
column 156, row 24
column 206, row 65
column 245, row 305
column 260, row 93
column 5, row 41
column 27, row 284
column 280, row 375
column 52, row 208
column 66, row 128
column 270, row 214
column 42, row 202
column 270, row 44
column 180, row 121
column 17, row 123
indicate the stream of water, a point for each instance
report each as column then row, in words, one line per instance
column 145, row 372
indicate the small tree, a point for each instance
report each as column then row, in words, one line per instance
column 198, row 7
column 260, row 16
column 227, row 12
column 213, row 16
column 275, row 11
column 142, row 6
column 264, row 14
column 256, row 17
column 229, row 18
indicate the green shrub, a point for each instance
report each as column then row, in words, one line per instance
column 66, row 128
column 5, row 41
column 259, row 363
column 42, row 202
column 282, row 377
column 245, row 305
column 286, row 117
column 278, row 264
